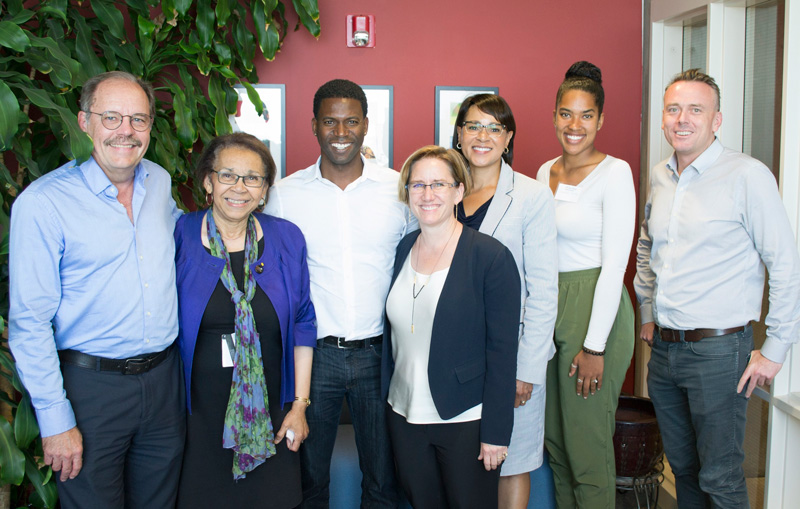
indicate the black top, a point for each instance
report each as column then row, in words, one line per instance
column 475, row 220
column 206, row 477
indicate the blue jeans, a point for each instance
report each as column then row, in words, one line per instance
column 356, row 375
column 701, row 416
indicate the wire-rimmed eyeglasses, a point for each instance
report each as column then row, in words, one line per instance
column 436, row 187
column 113, row 119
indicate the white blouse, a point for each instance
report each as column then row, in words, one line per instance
column 595, row 222
column 409, row 390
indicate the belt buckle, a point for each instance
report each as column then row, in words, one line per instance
column 341, row 342
column 136, row 366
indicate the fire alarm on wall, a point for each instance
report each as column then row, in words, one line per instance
column 360, row 31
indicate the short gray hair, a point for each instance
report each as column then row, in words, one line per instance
column 90, row 87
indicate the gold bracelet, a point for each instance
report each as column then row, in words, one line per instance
column 306, row 400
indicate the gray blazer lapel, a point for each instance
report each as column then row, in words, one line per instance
column 501, row 201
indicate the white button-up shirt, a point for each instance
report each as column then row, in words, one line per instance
column 351, row 235
column 706, row 238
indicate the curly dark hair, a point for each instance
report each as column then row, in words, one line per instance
column 583, row 76
column 340, row 89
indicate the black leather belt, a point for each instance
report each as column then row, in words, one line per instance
column 132, row 366
column 339, row 342
column 694, row 335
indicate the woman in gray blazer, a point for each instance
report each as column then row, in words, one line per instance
column 519, row 212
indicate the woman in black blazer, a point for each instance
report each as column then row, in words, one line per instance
column 449, row 354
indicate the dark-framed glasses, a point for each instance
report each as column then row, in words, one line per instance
column 113, row 119
column 493, row 130
column 436, row 187
column 227, row 177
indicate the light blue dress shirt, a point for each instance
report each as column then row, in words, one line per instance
column 84, row 277
column 707, row 236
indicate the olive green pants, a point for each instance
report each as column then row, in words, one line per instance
column 579, row 432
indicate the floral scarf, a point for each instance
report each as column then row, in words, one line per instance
column 248, row 427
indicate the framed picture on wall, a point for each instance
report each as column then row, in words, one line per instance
column 448, row 101
column 270, row 126
column 379, row 141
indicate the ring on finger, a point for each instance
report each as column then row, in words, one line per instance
column 595, row 381
column 580, row 380
column 574, row 366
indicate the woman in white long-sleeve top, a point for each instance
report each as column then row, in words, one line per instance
column 594, row 334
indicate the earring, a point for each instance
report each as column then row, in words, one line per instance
column 209, row 199
column 261, row 202
column 506, row 150
column 458, row 145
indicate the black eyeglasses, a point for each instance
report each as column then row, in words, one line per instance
column 113, row 119
column 227, row 177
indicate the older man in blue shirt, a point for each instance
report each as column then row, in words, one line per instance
column 713, row 221
column 93, row 310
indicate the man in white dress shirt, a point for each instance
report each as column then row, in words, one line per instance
column 348, row 210
column 713, row 221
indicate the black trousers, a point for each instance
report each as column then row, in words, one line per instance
column 133, row 429
column 438, row 467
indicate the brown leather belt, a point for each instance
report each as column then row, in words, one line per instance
column 694, row 335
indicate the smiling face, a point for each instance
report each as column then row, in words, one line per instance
column 577, row 120
column 429, row 207
column 481, row 149
column 234, row 203
column 117, row 151
column 690, row 119
column 340, row 127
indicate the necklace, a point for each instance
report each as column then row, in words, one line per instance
column 414, row 292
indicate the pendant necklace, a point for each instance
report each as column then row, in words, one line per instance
column 414, row 292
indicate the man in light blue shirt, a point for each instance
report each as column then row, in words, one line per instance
column 713, row 222
column 93, row 310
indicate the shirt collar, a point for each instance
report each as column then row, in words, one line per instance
column 99, row 182
column 369, row 171
column 703, row 161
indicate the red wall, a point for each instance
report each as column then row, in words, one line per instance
column 521, row 46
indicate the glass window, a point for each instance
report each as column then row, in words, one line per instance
column 763, row 79
column 695, row 43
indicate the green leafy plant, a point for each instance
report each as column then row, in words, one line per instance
column 20, row 446
column 193, row 51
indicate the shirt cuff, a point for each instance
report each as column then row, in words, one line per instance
column 646, row 312
column 775, row 350
column 55, row 419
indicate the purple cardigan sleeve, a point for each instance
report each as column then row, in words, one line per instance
column 285, row 281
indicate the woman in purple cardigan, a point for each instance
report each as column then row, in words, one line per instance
column 247, row 331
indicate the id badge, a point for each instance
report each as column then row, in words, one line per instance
column 568, row 193
column 228, row 349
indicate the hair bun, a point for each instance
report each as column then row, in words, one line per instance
column 584, row 69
